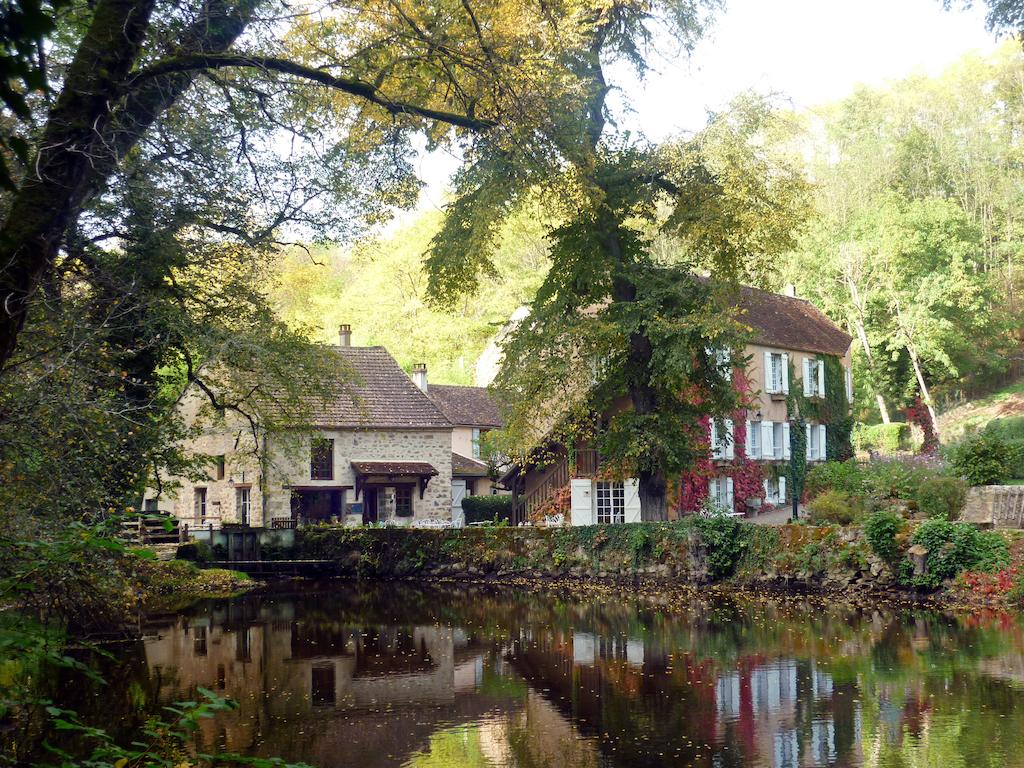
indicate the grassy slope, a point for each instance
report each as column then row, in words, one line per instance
column 975, row 414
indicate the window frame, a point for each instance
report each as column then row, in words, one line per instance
column 610, row 502
column 475, row 435
column 315, row 467
column 813, row 377
column 200, row 501
column 219, row 467
column 776, row 381
column 247, row 506
column 404, row 490
column 753, row 446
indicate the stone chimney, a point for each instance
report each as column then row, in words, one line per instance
column 790, row 290
column 419, row 375
column 345, row 335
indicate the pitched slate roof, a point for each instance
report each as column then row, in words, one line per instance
column 466, row 406
column 788, row 322
column 374, row 392
column 463, row 465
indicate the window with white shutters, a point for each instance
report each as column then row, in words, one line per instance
column 775, row 490
column 780, row 439
column 767, row 440
column 814, row 377
column 776, row 373
column 753, row 439
column 611, row 503
column 722, row 439
column 815, row 442
column 720, row 490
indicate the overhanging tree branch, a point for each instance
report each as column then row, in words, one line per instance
column 360, row 88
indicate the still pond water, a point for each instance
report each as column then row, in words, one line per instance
column 380, row 676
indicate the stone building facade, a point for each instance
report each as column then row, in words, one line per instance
column 378, row 450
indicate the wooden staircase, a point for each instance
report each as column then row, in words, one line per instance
column 586, row 465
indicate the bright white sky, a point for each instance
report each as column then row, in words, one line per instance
column 806, row 51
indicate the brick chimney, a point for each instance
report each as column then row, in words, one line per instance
column 345, row 335
column 419, row 375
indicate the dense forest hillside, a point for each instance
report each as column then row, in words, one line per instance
column 916, row 247
column 379, row 288
column 917, row 244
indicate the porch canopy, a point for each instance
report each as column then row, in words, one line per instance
column 381, row 473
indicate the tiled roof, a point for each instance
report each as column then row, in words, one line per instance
column 466, row 406
column 376, row 393
column 463, row 465
column 408, row 468
column 790, row 323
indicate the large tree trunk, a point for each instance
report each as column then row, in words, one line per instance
column 858, row 322
column 88, row 133
column 918, row 372
column 642, row 395
column 62, row 173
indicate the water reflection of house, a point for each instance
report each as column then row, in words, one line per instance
column 643, row 700
column 316, row 690
column 787, row 713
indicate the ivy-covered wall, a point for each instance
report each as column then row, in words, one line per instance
column 832, row 410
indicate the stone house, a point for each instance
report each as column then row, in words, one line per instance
column 791, row 344
column 377, row 450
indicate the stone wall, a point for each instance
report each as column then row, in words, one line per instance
column 289, row 465
column 795, row 556
column 998, row 506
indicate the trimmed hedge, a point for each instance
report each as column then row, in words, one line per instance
column 486, row 509
column 886, row 438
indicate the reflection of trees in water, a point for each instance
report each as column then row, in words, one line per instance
column 375, row 671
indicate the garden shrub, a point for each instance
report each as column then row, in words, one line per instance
column 1016, row 594
column 885, row 438
column 900, row 478
column 833, row 507
column 880, row 529
column 845, row 476
column 984, row 458
column 724, row 539
column 954, row 548
column 483, row 509
column 941, row 497
column 1017, row 458
column 1008, row 428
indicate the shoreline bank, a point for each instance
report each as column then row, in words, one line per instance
column 793, row 559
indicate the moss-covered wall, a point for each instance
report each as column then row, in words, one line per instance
column 695, row 550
